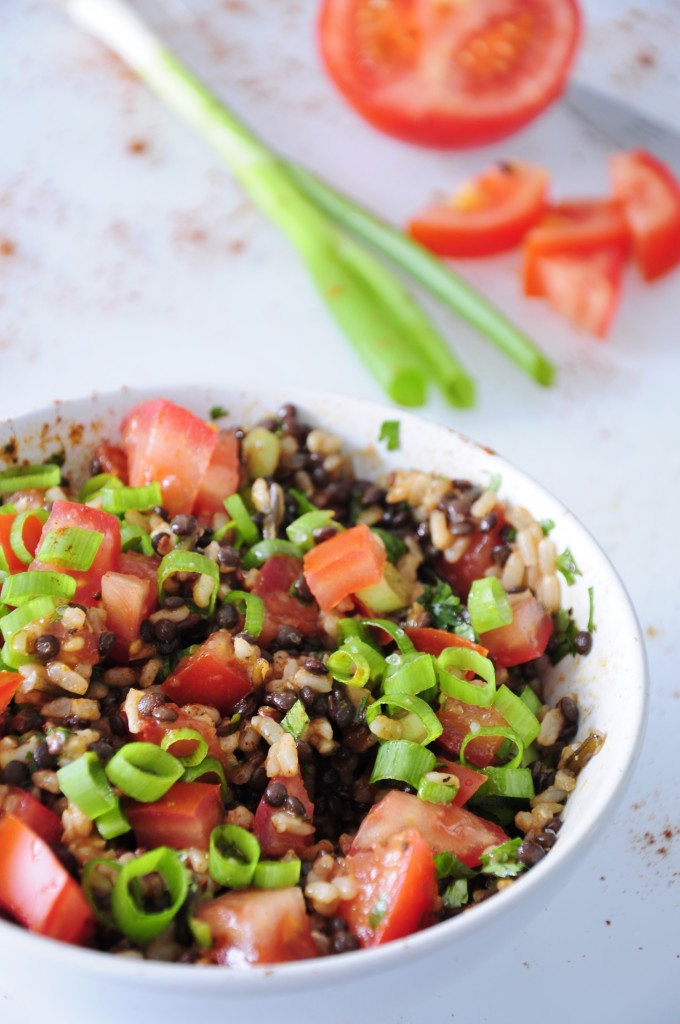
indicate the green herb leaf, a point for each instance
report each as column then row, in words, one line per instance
column 296, row 720
column 445, row 610
column 217, row 412
column 456, row 895
column 591, row 610
column 566, row 564
column 394, row 546
column 389, row 433
column 546, row 525
column 501, row 861
column 562, row 641
column 494, row 482
column 448, row 866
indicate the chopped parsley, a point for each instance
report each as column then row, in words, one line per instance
column 546, row 525
column 217, row 412
column 566, row 564
column 494, row 482
column 448, row 866
column 394, row 546
column 456, row 895
column 378, row 912
column 562, row 641
column 502, row 861
column 389, row 433
column 445, row 610
column 296, row 720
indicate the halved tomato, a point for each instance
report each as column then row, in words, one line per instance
column 267, row 926
column 343, row 564
column 458, row 719
column 66, row 514
column 397, row 889
column 181, row 819
column 211, row 675
column 585, row 289
column 449, row 74
column 221, row 479
column 152, row 731
column 273, row 842
column 651, row 197
column 488, row 215
column 524, row 639
column 281, row 608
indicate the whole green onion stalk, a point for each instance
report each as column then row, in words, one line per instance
column 389, row 331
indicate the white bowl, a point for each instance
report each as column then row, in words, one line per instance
column 79, row 985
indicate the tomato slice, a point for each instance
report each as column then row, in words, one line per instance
column 585, row 289
column 211, row 675
column 268, row 926
column 434, row 641
column 27, row 808
column 9, row 684
column 281, row 608
column 65, row 514
column 30, row 534
column 449, row 74
column 181, row 819
column 36, row 889
column 444, row 827
column 397, row 889
column 168, row 444
column 651, row 197
column 486, row 216
column 525, row 638
column 221, row 479
column 458, row 719
column 573, row 229
column 343, row 564
column 273, row 842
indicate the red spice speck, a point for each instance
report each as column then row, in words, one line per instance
column 7, row 248
column 137, row 146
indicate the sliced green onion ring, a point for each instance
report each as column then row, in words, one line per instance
column 84, row 783
column 24, row 478
column 434, row 791
column 16, row 533
column 493, row 730
column 126, row 902
column 402, row 761
column 70, row 547
column 207, row 767
column 38, row 608
column 93, row 487
column 531, row 699
column 488, row 605
column 143, row 771
column 431, row 726
column 122, row 499
column 134, row 538
column 507, row 781
column 253, row 608
column 517, row 715
column 23, row 587
column 398, row 634
column 198, row 754
column 301, row 530
column 264, row 549
column 377, row 665
column 277, row 874
column 233, row 856
column 410, row 673
column 247, row 530
column 350, row 669
column 179, row 560
column 113, row 823
column 303, row 502
column 467, row 661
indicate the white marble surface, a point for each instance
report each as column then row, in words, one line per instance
column 137, row 260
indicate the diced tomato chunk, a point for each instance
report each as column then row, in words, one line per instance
column 475, row 560
column 458, row 719
column 397, row 889
column 221, row 479
column 184, row 817
column 211, row 675
column 343, row 564
column 30, row 534
column 66, row 514
column 281, row 608
column 469, row 780
column 434, row 641
column 36, row 889
column 9, row 684
column 170, row 445
column 524, row 639
column 444, row 827
column 268, row 926
column 27, row 808
column 113, row 460
column 127, row 600
column 273, row 842
column 650, row 193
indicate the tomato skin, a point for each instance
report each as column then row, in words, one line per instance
column 453, row 75
column 273, row 584
column 273, row 843
column 343, row 564
column 253, row 926
column 469, row 780
column 475, row 560
column 651, row 197
column 31, row 535
column 525, row 638
column 457, row 718
column 434, row 641
column 168, row 444
column 113, row 460
column 65, row 514
column 127, row 600
column 487, row 216
column 211, row 675
column 585, row 289
column 444, row 827
column 36, row 889
column 184, row 817
column 221, row 478
column 24, row 806
column 397, row 889
column 9, row 684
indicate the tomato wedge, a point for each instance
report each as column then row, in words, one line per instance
column 113, row 460
column 273, row 842
column 486, row 216
column 585, row 289
column 524, row 639
column 343, row 564
column 268, row 926
column 468, row 779
column 9, row 684
column 449, row 74
column 181, row 819
column 281, row 608
column 65, row 514
column 36, row 889
column 651, row 197
column 221, row 479
column 397, row 889
column 211, row 675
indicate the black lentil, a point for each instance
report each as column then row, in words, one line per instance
column 47, row 646
column 275, row 794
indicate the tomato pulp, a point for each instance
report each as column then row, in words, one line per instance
column 449, row 75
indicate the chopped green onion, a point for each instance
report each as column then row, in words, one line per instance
column 394, row 546
column 448, row 866
column 465, row 660
column 264, row 549
column 375, row 660
column 303, row 502
column 143, row 771
column 277, row 874
column 16, row 533
column 350, row 668
column 531, row 699
column 488, row 605
column 113, row 823
column 97, row 879
column 122, row 499
column 402, row 761
column 495, row 481
column 429, row 725
column 197, row 755
column 398, row 634
column 410, row 673
column 501, row 861
column 300, row 531
column 591, row 610
column 546, row 525
column 233, row 856
column 389, row 433
column 182, row 561
column 247, row 531
column 201, row 932
column 352, row 628
column 507, row 781
column 127, row 903
column 84, row 783
column 24, row 478
column 24, row 586
column 437, row 792
column 7, row 510
column 38, row 608
column 93, row 487
column 296, row 720
column 566, row 564
column 516, row 713
column 492, row 730
column 134, row 538
column 209, row 766
column 254, row 610
column 70, row 547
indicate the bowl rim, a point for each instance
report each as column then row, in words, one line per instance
column 278, row 978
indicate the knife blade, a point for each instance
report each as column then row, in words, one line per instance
column 623, row 125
